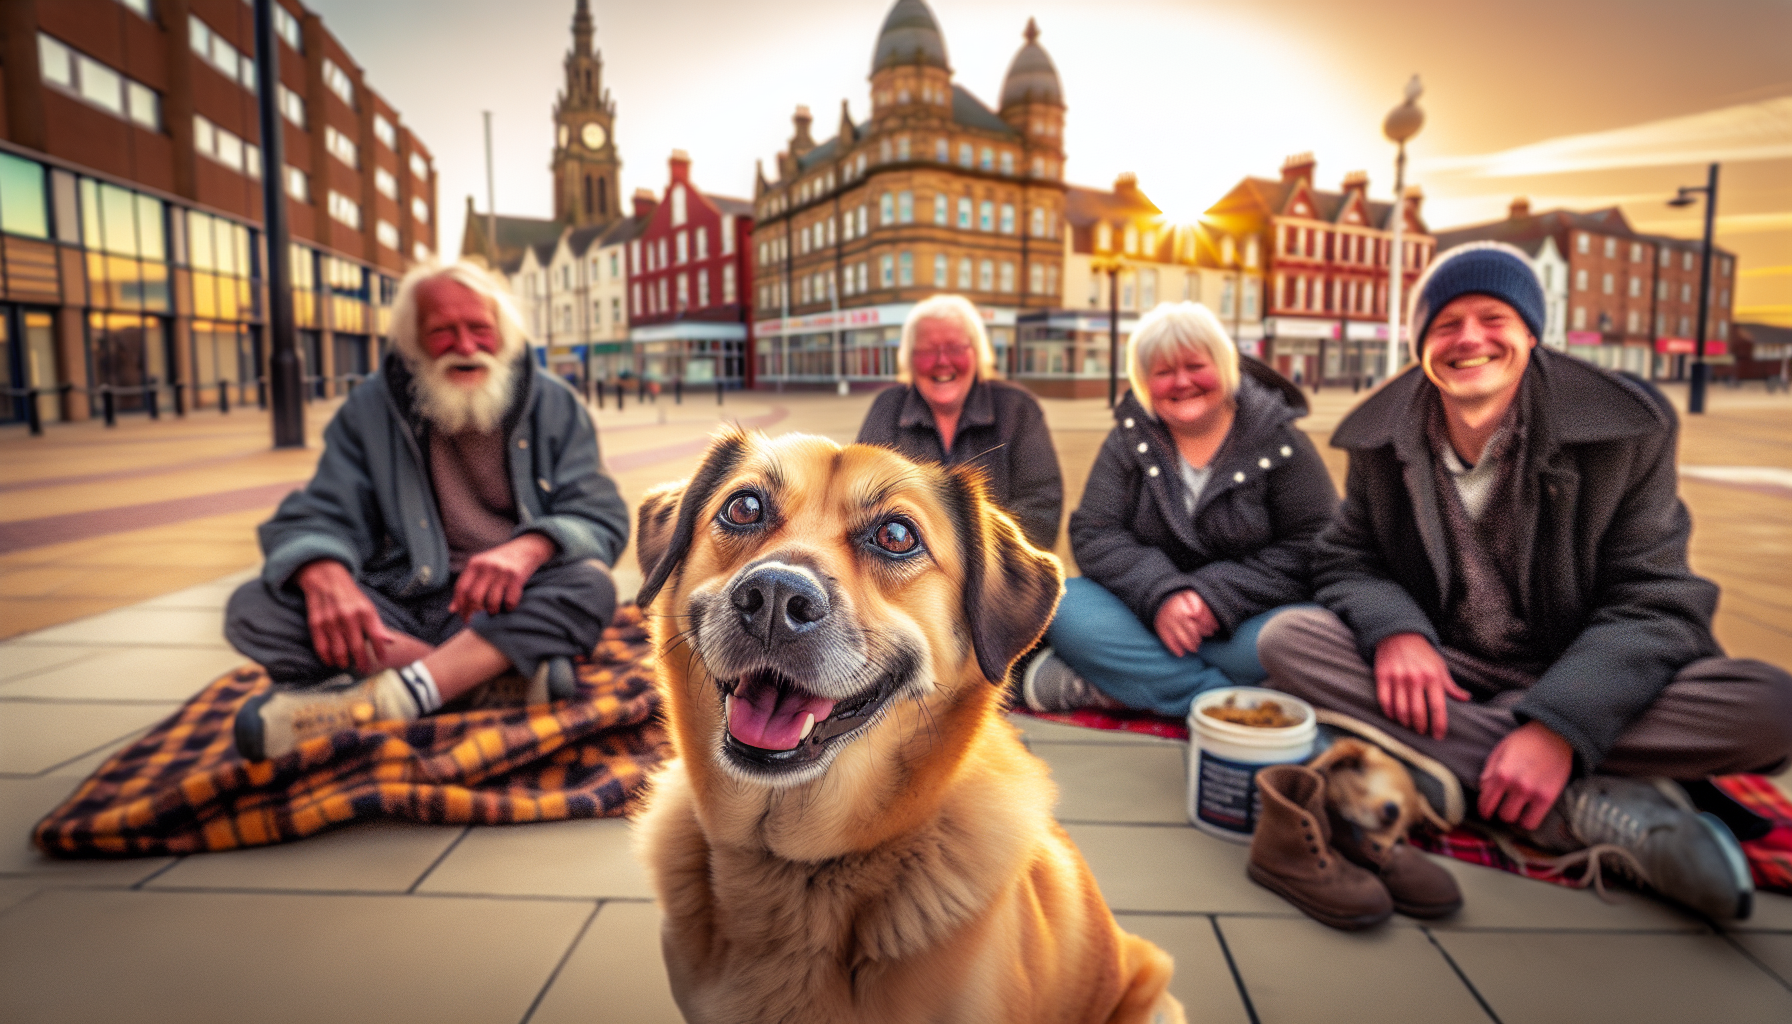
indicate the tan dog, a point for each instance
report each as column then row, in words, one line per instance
column 1370, row 788
column 852, row 832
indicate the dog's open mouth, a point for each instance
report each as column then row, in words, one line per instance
column 775, row 724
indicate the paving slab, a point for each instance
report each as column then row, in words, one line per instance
column 1499, row 899
column 1773, row 913
column 1118, row 782
column 366, row 857
column 1296, row 969
column 1530, row 977
column 129, row 674
column 14, row 891
column 19, row 660
column 212, row 595
column 86, row 955
column 615, row 974
column 567, row 859
column 139, row 626
column 37, row 736
column 1773, row 950
column 1172, row 869
column 1203, row 980
column 1032, row 729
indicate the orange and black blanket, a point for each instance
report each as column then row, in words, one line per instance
column 183, row 789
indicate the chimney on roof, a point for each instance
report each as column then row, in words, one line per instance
column 802, row 142
column 1521, row 207
column 1299, row 167
column 1126, row 184
column 1356, row 181
column 680, row 163
column 645, row 203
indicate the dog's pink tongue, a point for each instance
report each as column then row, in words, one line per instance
column 764, row 716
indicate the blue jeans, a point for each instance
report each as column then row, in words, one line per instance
column 1098, row 636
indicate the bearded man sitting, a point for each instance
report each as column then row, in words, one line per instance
column 460, row 524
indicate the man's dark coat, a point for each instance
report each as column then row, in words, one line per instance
column 1246, row 548
column 1613, row 608
column 1001, row 430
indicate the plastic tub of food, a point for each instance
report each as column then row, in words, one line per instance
column 1233, row 733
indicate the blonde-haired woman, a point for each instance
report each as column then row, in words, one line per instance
column 1196, row 523
column 954, row 410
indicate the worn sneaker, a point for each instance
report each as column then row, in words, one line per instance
column 273, row 723
column 1687, row 856
column 554, row 680
column 1050, row 685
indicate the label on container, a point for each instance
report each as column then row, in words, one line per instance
column 1227, row 794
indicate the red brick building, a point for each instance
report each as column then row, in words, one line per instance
column 130, row 201
column 1327, row 266
column 690, row 285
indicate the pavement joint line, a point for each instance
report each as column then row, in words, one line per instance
column 159, row 872
column 440, row 857
column 119, row 741
column 1125, row 824
column 1785, row 983
column 1244, row 993
column 106, row 701
column 554, row 975
column 1461, row 975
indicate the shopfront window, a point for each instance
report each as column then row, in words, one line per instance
column 22, row 207
column 126, row 238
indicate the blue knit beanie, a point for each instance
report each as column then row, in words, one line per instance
column 1478, row 268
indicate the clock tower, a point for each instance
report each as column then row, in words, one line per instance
column 586, row 167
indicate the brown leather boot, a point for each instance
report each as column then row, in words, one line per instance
column 1419, row 887
column 1292, row 857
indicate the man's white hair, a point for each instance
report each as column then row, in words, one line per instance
column 1176, row 329
column 406, row 331
column 954, row 309
column 451, row 406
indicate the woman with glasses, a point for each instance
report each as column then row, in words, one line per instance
column 954, row 410
column 1196, row 525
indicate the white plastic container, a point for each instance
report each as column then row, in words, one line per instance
column 1224, row 757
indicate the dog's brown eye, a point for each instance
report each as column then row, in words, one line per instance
column 897, row 537
column 743, row 510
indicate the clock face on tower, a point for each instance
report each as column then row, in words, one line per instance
column 565, row 133
column 592, row 135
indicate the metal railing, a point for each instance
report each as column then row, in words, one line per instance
column 220, row 394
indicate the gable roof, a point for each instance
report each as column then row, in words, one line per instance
column 514, row 235
column 1269, row 198
column 730, row 206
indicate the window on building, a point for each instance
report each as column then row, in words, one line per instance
column 387, row 233
column 1131, row 237
column 1036, row 279
column 940, row 149
column 1580, row 317
column 419, row 166
column 1686, row 260
column 217, row 144
column 864, row 219
column 1636, row 287
column 702, row 289
column 287, row 28
column 986, row 216
column 337, row 81
column 1665, row 256
column 1580, row 279
column 1252, row 289
column 89, row 80
column 1007, row 223
column 420, row 209
column 23, row 209
column 385, row 183
column 988, row 162
column 684, row 292
column 141, row 8
column 1104, row 237
column 727, row 234
column 1685, row 292
column 1037, row 227
column 1006, row 280
column 886, row 208
column 902, row 147
column 701, row 236
column 886, row 271
column 728, row 284
column 1227, row 298
column 940, row 212
column 941, row 275
column 1607, row 284
column 1147, row 289
column 292, row 106
column 905, row 269
column 1583, row 243
column 298, row 186
column 680, row 206
column 345, row 210
column 341, row 147
column 964, row 274
column 965, row 158
column 1611, row 248
column 217, row 51
column 384, row 131
column 964, row 213
column 986, row 275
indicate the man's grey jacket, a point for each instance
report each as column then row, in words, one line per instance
column 371, row 506
column 1612, row 606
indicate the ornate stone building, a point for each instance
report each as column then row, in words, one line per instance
column 935, row 192
column 586, row 165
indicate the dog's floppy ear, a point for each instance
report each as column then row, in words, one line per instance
column 668, row 515
column 1342, row 755
column 1011, row 588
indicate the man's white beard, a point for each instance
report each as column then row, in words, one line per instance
column 453, row 407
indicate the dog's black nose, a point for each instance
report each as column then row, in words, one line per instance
column 1390, row 812
column 777, row 602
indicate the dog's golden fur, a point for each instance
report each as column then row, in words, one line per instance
column 918, row 875
column 1369, row 787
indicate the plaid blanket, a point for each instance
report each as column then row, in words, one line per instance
column 1769, row 858
column 183, row 789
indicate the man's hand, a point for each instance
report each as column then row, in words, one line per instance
column 346, row 630
column 1183, row 621
column 1524, row 774
column 493, row 580
column 1411, row 681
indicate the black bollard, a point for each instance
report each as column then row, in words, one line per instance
column 223, row 398
column 261, row 393
column 34, row 417
column 619, row 396
column 678, row 391
column 152, row 396
column 598, row 389
column 641, row 391
column 108, row 407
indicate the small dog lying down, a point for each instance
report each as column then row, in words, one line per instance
column 1370, row 788
column 851, row 830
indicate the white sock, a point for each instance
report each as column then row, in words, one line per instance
column 422, row 686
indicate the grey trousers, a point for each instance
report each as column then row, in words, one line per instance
column 1718, row 716
column 562, row 614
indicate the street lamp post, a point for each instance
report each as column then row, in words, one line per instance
column 1701, row 370
column 285, row 372
column 1403, row 122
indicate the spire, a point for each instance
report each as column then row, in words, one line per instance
column 582, row 29
column 1032, row 32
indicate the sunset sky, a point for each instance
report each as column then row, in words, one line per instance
column 1573, row 103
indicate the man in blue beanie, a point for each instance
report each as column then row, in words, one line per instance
column 1507, row 604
